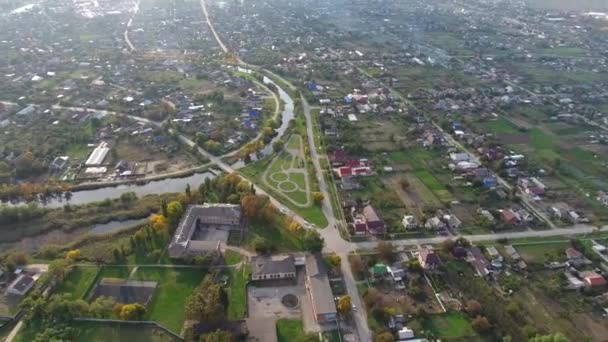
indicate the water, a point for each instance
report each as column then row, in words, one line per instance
column 154, row 187
column 114, row 226
column 287, row 115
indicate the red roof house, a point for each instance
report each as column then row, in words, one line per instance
column 593, row 279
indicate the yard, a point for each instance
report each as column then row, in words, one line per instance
column 79, row 281
column 449, row 325
column 174, row 287
column 100, row 332
column 543, row 252
column 237, row 292
column 292, row 330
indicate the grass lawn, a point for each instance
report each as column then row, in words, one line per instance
column 174, row 287
column 543, row 252
column 449, row 325
column 232, row 257
column 102, row 332
column 237, row 292
column 115, row 272
column 292, row 330
column 78, row 281
column 280, row 238
column 398, row 156
column 502, row 125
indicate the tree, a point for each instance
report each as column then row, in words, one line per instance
column 312, row 241
column 14, row 260
column 208, row 303
column 59, row 269
column 358, row 266
column 174, row 211
column 188, row 190
column 385, row 337
column 102, row 307
column 131, row 312
column 278, row 145
column 73, row 255
column 386, row 250
column 318, row 198
column 158, row 223
column 262, row 245
column 345, row 304
column 414, row 266
column 217, row 336
column 334, row 260
column 481, row 324
column 473, row 307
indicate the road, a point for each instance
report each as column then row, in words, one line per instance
column 126, row 34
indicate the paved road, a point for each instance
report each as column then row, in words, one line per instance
column 126, row 34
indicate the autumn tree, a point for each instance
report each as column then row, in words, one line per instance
column 481, row 324
column 358, row 266
column 174, row 212
column 318, row 197
column 73, row 255
column 334, row 260
column 158, row 223
column 473, row 307
column 59, row 269
column 385, row 336
column 131, row 312
column 345, row 304
column 14, row 260
column 386, row 250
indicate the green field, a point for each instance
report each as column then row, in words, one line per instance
column 292, row 330
column 232, row 258
column 78, row 281
column 174, row 287
column 100, row 332
column 543, row 252
column 237, row 293
column 449, row 325
column 432, row 183
column 283, row 240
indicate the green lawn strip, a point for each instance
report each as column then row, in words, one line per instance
column 174, row 287
column 294, row 142
column 121, row 272
column 237, row 292
column 502, row 125
column 102, row 332
column 78, row 281
column 449, row 325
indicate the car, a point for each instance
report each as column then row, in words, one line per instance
column 354, row 308
column 282, row 210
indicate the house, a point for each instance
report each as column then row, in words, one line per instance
column 434, row 223
column 350, row 183
column 273, row 267
column 509, row 217
column 409, row 222
column 359, row 226
column 493, row 253
column 59, row 163
column 592, row 279
column 479, row 262
column 405, row 334
column 602, row 197
column 319, row 290
column 338, row 158
column 396, row 322
column 98, row 155
column 397, row 273
column 460, row 157
column 427, row 258
column 198, row 219
column 452, row 221
column 488, row 215
column 379, row 270
column 375, row 225
column 573, row 254
column 21, row 285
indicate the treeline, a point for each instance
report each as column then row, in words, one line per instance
column 33, row 191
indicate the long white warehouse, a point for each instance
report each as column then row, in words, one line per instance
column 98, row 155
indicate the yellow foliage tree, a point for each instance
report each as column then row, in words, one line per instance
column 158, row 223
column 73, row 254
column 344, row 304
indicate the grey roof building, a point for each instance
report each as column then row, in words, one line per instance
column 21, row 285
column 317, row 284
column 273, row 267
column 201, row 217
